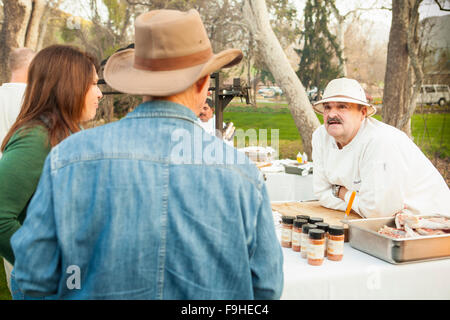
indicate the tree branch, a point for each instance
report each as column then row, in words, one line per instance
column 134, row 3
column 364, row 9
column 440, row 6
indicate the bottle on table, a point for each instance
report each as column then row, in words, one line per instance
column 315, row 220
column 304, row 243
column 286, row 231
column 302, row 216
column 324, row 226
column 316, row 238
column 335, row 246
column 297, row 234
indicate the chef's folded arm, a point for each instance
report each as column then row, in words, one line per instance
column 323, row 188
column 380, row 194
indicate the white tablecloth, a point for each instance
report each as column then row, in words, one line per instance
column 289, row 187
column 362, row 276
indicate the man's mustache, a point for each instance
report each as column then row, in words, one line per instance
column 334, row 120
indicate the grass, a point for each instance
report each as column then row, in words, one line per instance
column 4, row 291
column 431, row 131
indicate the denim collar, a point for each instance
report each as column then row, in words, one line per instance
column 163, row 109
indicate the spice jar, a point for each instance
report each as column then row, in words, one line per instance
column 314, row 220
column 304, row 243
column 286, row 231
column 302, row 216
column 335, row 247
column 316, row 238
column 297, row 234
column 324, row 226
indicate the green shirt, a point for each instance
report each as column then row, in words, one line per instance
column 20, row 169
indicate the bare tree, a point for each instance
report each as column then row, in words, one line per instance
column 366, row 59
column 34, row 22
column 403, row 76
column 341, row 29
column 257, row 18
column 441, row 6
column 340, row 35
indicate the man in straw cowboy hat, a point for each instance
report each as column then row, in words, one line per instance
column 354, row 152
column 120, row 202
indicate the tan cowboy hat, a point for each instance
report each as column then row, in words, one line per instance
column 344, row 90
column 172, row 51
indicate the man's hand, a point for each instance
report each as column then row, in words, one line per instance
column 342, row 191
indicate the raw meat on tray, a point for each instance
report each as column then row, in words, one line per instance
column 409, row 226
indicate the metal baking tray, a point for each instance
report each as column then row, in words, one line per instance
column 363, row 236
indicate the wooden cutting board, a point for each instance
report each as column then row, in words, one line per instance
column 314, row 209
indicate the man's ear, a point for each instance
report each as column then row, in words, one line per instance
column 201, row 83
column 364, row 111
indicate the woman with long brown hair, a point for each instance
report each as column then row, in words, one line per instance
column 61, row 93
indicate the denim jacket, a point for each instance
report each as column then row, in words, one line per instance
column 149, row 207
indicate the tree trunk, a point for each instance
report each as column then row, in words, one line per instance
column 108, row 106
column 400, row 89
column 257, row 18
column 341, row 41
column 47, row 11
column 32, row 35
column 16, row 15
column 340, row 37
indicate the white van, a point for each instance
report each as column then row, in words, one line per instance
column 434, row 94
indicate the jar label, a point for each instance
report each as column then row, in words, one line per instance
column 296, row 238
column 286, row 235
column 304, row 242
column 316, row 251
column 335, row 247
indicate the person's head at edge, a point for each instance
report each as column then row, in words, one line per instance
column 344, row 107
column 176, row 68
column 207, row 111
column 61, row 88
column 18, row 63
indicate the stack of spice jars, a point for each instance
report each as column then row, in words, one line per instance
column 313, row 238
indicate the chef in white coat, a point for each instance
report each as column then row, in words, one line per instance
column 207, row 119
column 11, row 93
column 354, row 152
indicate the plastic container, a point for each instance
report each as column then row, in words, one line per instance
column 299, row 158
column 304, row 243
column 314, row 220
column 286, row 231
column 297, row 234
column 324, row 226
column 335, row 246
column 302, row 216
column 316, row 239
